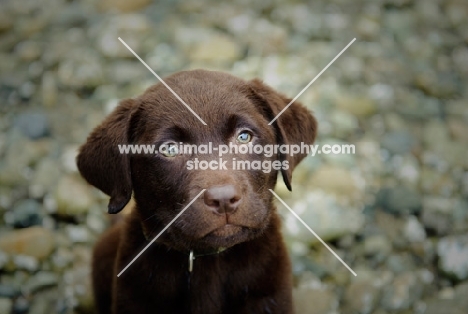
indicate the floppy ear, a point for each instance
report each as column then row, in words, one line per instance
column 100, row 162
column 295, row 125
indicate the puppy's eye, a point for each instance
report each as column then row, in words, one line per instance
column 169, row 149
column 244, row 137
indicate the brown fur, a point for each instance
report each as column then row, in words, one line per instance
column 253, row 274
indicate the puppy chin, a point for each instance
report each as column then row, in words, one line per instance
column 227, row 236
column 226, row 231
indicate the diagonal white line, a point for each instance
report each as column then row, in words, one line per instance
column 159, row 234
column 161, row 80
column 308, row 85
column 312, row 231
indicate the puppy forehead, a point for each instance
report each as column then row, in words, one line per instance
column 213, row 96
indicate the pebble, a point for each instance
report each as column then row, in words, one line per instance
column 21, row 306
column 25, row 213
column 6, row 305
column 34, row 124
column 361, row 296
column 28, row 50
column 325, row 178
column 344, row 123
column 396, row 211
column 323, row 214
column 453, row 256
column 217, row 49
column 437, row 214
column 78, row 234
column 122, row 5
column 404, row 291
column 45, row 177
column 398, row 142
column 4, row 258
column 130, row 27
column 28, row 263
column 36, row 242
column 8, row 291
column 313, row 297
column 68, row 158
column 40, row 280
column 49, row 89
column 377, row 245
column 414, row 231
column 358, row 106
column 73, row 196
column 399, row 200
column 82, row 68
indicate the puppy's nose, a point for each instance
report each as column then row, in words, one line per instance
column 222, row 199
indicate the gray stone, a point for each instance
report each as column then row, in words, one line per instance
column 402, row 293
column 399, row 263
column 127, row 71
column 28, row 50
column 325, row 215
column 453, row 257
column 344, row 123
column 438, row 306
column 20, row 155
column 460, row 299
column 414, row 230
column 313, row 297
column 40, row 280
column 9, row 291
column 61, row 259
column 78, row 234
column 6, row 305
column 361, row 296
column 437, row 214
column 45, row 301
column 130, row 27
column 45, row 177
column 377, row 245
column 26, row 262
column 82, row 68
column 398, row 142
column 33, row 125
column 399, row 200
column 68, row 158
column 25, row 213
column 21, row 306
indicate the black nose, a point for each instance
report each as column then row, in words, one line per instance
column 222, row 199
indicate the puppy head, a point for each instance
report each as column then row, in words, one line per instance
column 236, row 205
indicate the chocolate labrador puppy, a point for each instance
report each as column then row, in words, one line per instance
column 225, row 253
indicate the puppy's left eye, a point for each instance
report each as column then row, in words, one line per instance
column 169, row 149
column 244, row 137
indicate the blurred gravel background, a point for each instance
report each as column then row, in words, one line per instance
column 396, row 211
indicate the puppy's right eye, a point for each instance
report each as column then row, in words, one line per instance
column 169, row 149
column 244, row 137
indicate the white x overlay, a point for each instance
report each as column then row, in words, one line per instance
column 161, row 80
column 308, row 85
column 312, row 231
column 162, row 231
